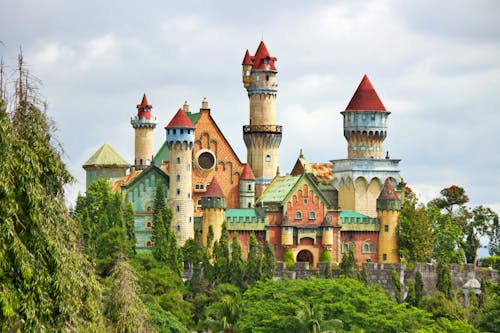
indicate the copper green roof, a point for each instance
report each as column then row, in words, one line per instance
column 353, row 221
column 106, row 156
column 279, row 188
column 244, row 219
column 193, row 117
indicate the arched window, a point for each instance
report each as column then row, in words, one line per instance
column 312, row 216
column 178, row 178
column 178, row 192
column 372, row 248
column 178, row 160
column 268, row 158
column 298, row 215
column 149, row 209
column 178, row 208
column 368, row 247
column 249, row 205
column 178, row 228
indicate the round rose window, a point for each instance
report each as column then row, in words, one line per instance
column 206, row 160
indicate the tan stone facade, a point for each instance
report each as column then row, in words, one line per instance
column 143, row 146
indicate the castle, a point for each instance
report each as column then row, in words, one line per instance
column 332, row 206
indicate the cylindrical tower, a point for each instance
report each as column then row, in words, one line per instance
column 213, row 204
column 388, row 207
column 365, row 123
column 180, row 140
column 247, row 187
column 262, row 136
column 144, row 124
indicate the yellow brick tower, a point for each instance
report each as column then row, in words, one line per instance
column 262, row 136
column 180, row 141
column 388, row 207
column 213, row 204
column 144, row 124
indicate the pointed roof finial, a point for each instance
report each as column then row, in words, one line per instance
column 278, row 170
column 144, row 103
column 301, row 155
column 387, row 155
column 365, row 98
column 185, row 107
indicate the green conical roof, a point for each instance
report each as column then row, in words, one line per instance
column 106, row 156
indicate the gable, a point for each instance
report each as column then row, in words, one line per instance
column 305, row 203
column 141, row 191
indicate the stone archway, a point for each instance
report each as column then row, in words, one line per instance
column 305, row 256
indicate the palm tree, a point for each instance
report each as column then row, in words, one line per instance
column 224, row 315
column 310, row 320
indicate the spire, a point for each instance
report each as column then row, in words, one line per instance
column 262, row 59
column 180, row 120
column 185, row 107
column 365, row 98
column 388, row 192
column 144, row 103
column 247, row 173
column 247, row 60
column 214, row 190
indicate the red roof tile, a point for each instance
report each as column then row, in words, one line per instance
column 214, row 190
column 260, row 55
column 247, row 173
column 247, row 60
column 388, row 192
column 144, row 103
column 180, row 120
column 365, row 98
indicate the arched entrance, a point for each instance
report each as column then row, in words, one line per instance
column 305, row 256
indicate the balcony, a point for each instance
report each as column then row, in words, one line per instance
column 276, row 129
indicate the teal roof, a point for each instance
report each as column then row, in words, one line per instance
column 193, row 117
column 244, row 219
column 163, row 155
column 353, row 221
column 279, row 188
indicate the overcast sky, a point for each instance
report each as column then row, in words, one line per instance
column 434, row 64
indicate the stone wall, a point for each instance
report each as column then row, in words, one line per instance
column 381, row 274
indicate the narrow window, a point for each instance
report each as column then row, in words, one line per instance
column 384, row 256
column 249, row 187
column 178, row 178
column 178, row 228
column 312, row 216
column 249, row 205
column 267, row 77
column 178, row 192
column 366, row 248
column 178, row 208
column 305, row 201
column 386, row 228
column 275, row 247
column 298, row 216
column 178, row 160
column 372, row 248
column 268, row 158
column 189, row 195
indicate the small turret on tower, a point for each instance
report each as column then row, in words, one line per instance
column 365, row 122
column 143, row 123
column 213, row 204
column 247, row 187
column 262, row 136
column 388, row 207
column 180, row 141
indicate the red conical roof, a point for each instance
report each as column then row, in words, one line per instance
column 214, row 189
column 388, row 192
column 247, row 173
column 180, row 120
column 247, row 60
column 144, row 109
column 260, row 55
column 365, row 98
column 144, row 103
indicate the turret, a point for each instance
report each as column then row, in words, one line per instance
column 247, row 187
column 388, row 207
column 105, row 163
column 262, row 136
column 213, row 204
column 143, row 123
column 365, row 123
column 180, row 141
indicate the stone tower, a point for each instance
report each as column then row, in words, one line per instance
column 105, row 163
column 180, row 140
column 262, row 136
column 247, row 188
column 213, row 204
column 388, row 207
column 144, row 124
column 359, row 178
column 365, row 123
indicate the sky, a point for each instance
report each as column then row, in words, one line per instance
column 434, row 64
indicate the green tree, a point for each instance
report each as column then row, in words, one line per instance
column 477, row 223
column 221, row 257
column 411, row 297
column 443, row 283
column 419, row 287
column 162, row 217
column 223, row 316
column 349, row 265
column 254, row 262
column 288, row 259
column 396, row 284
column 237, row 265
column 123, row 305
column 46, row 281
column 128, row 217
column 415, row 238
column 326, row 256
column 268, row 262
